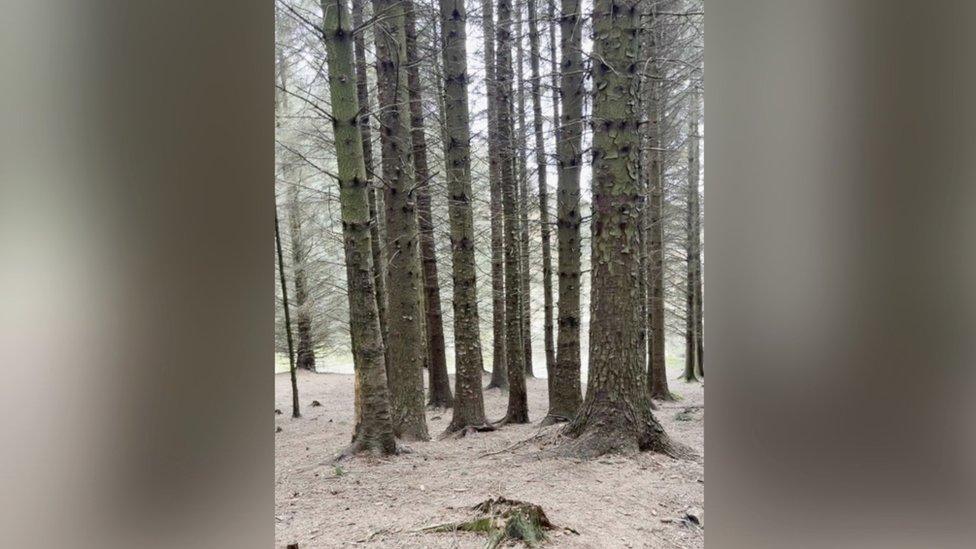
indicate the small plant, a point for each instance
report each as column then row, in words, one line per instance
column 338, row 471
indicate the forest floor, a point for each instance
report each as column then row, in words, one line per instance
column 609, row 502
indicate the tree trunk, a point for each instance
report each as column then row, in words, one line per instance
column 499, row 373
column 565, row 392
column 376, row 222
column 374, row 432
column 616, row 415
column 657, row 375
column 523, row 202
column 295, row 412
column 469, row 409
column 693, row 348
column 305, row 356
column 439, row 384
column 540, row 160
column 404, row 285
column 517, row 401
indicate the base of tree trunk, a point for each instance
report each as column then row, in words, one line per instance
column 500, row 386
column 371, row 447
column 461, row 431
column 613, row 429
column 664, row 396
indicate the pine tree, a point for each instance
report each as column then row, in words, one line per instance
column 499, row 372
column 565, row 394
column 616, row 414
column 518, row 410
column 469, row 409
column 407, row 343
column 374, row 431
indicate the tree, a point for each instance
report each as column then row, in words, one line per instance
column 499, row 372
column 439, row 384
column 376, row 233
column 693, row 311
column 305, row 357
column 616, row 414
column 374, row 431
column 565, row 394
column 657, row 376
column 518, row 409
column 525, row 290
column 295, row 412
column 469, row 409
column 540, row 160
column 406, row 335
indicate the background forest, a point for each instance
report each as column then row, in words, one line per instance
column 490, row 214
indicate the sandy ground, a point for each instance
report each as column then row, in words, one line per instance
column 611, row 502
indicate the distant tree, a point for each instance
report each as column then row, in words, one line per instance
column 439, row 384
column 499, row 373
column 693, row 310
column 540, row 160
column 295, row 412
column 565, row 393
column 518, row 409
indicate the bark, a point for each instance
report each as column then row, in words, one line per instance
column 654, row 218
column 375, row 227
column 517, row 401
column 499, row 373
column 525, row 290
column 616, row 415
column 693, row 337
column 565, row 393
column 540, row 160
column 374, row 432
column 439, row 384
column 295, row 412
column 469, row 409
column 404, row 284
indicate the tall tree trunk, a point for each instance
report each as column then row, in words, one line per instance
column 376, row 222
column 295, row 412
column 374, row 432
column 654, row 217
column 439, row 384
column 407, row 342
column 305, row 356
column 616, row 415
column 540, row 160
column 694, row 308
column 523, row 202
column 499, row 373
column 469, row 409
column 518, row 410
column 565, row 393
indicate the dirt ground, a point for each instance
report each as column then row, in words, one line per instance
column 611, row 502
